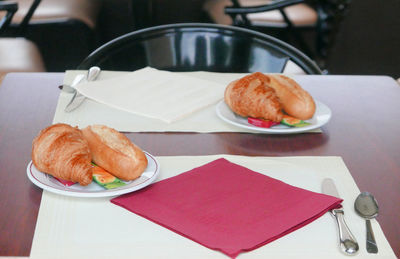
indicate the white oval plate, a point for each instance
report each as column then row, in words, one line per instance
column 322, row 115
column 49, row 183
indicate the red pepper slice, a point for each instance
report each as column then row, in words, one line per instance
column 261, row 123
column 64, row 182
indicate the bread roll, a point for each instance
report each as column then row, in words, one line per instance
column 295, row 101
column 60, row 150
column 114, row 152
column 265, row 96
column 251, row 96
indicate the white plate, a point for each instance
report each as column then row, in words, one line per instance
column 47, row 182
column 321, row 117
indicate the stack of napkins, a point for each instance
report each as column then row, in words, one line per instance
column 154, row 93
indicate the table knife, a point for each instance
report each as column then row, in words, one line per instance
column 70, row 88
column 77, row 98
column 348, row 243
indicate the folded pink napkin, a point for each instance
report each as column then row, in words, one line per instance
column 227, row 207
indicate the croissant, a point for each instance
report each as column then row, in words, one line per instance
column 251, row 96
column 60, row 150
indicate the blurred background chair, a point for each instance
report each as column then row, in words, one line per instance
column 310, row 25
column 200, row 47
column 17, row 54
column 64, row 30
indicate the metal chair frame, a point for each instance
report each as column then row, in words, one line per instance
column 329, row 12
column 105, row 53
column 11, row 8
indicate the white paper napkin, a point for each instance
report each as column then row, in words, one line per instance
column 153, row 93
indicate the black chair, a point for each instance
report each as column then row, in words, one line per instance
column 199, row 47
column 50, row 24
column 17, row 54
column 311, row 25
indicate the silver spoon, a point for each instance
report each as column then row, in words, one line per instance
column 92, row 73
column 77, row 98
column 367, row 207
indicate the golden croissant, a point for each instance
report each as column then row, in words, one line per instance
column 266, row 96
column 60, row 150
column 252, row 96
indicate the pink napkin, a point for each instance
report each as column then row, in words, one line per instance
column 227, row 207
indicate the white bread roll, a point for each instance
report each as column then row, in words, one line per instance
column 295, row 101
column 114, row 152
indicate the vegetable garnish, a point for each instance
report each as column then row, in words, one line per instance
column 293, row 122
column 261, row 123
column 287, row 120
column 64, row 182
column 105, row 179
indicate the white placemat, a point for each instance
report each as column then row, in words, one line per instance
column 70, row 227
column 91, row 112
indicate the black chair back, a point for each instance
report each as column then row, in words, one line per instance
column 11, row 8
column 7, row 10
column 198, row 47
column 329, row 12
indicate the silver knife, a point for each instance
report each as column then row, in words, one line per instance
column 348, row 243
column 70, row 88
column 77, row 98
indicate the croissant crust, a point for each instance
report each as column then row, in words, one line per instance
column 60, row 150
column 252, row 96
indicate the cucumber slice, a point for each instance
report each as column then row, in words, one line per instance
column 293, row 122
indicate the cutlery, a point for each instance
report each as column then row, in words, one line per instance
column 367, row 207
column 70, row 88
column 348, row 243
column 66, row 88
column 78, row 98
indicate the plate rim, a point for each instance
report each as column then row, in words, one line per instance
column 271, row 130
column 105, row 193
